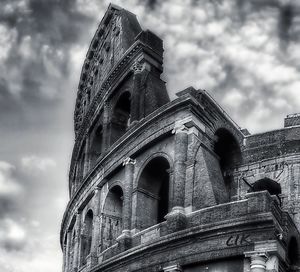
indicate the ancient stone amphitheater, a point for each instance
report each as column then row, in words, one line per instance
column 160, row 185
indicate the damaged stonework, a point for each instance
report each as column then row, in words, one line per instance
column 160, row 185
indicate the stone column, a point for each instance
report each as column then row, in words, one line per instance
column 64, row 266
column 257, row 261
column 137, row 69
column 68, row 247
column 105, row 125
column 181, row 145
column 189, row 185
column 128, row 186
column 171, row 189
column 77, row 247
column 96, row 229
column 87, row 156
column 124, row 239
column 173, row 268
column 177, row 218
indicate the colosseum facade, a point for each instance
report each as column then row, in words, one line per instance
column 160, row 185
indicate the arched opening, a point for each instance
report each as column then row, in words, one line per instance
column 293, row 252
column 228, row 150
column 86, row 239
column 267, row 184
column 112, row 217
column 120, row 117
column 81, row 165
column 96, row 145
column 153, row 193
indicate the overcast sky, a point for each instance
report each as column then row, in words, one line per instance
column 245, row 53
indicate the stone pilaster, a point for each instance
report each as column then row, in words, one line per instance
column 128, row 185
column 137, row 69
column 181, row 145
column 77, row 247
column 125, row 238
column 96, row 229
column 86, row 159
column 171, row 189
column 257, row 261
column 189, row 185
column 64, row 265
column 173, row 268
column 68, row 249
column 105, row 125
column 176, row 218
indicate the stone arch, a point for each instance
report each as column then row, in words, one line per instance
column 81, row 164
column 120, row 115
column 153, row 156
column 153, row 192
column 230, row 128
column 112, row 213
column 227, row 147
column 87, row 234
column 96, row 142
column 267, row 184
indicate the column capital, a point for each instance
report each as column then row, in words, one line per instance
column 96, row 190
column 137, row 67
column 128, row 160
column 180, row 128
column 256, row 253
column 78, row 213
column 258, row 260
column 173, row 268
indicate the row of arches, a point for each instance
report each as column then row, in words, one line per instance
column 119, row 121
column 152, row 205
column 152, row 196
column 91, row 150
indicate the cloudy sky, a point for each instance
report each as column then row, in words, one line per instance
column 246, row 53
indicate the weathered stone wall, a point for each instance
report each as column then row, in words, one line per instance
column 284, row 169
column 128, row 212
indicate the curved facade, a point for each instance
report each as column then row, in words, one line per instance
column 160, row 185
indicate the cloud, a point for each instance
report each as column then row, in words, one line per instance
column 245, row 53
column 8, row 185
column 35, row 163
column 36, row 38
column 12, row 235
column 37, row 252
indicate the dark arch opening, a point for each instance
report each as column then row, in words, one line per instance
column 153, row 193
column 112, row 216
column 121, row 116
column 80, row 168
column 267, row 184
column 87, row 235
column 96, row 145
column 293, row 251
column 227, row 148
